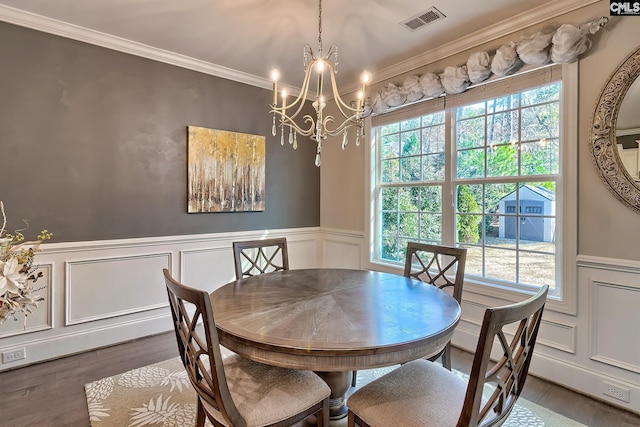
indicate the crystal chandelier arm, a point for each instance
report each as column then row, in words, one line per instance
column 299, row 101
column 341, row 128
column 291, row 124
column 342, row 106
column 351, row 114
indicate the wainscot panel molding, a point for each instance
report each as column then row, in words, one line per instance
column 558, row 335
column 551, row 334
column 304, row 252
column 615, row 308
column 99, row 293
column 101, row 288
column 342, row 249
column 198, row 267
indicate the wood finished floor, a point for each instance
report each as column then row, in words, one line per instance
column 52, row 393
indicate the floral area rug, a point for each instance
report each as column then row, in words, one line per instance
column 161, row 395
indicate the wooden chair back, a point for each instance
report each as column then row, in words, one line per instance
column 441, row 266
column 199, row 349
column 260, row 256
column 436, row 264
column 508, row 375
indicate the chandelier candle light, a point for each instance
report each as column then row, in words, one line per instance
column 318, row 130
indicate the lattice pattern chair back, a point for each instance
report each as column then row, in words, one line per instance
column 421, row 393
column 260, row 256
column 199, row 348
column 436, row 265
column 508, row 375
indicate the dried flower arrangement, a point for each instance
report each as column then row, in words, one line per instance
column 17, row 272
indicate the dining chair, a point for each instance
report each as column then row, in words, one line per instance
column 235, row 391
column 255, row 257
column 423, row 393
column 437, row 265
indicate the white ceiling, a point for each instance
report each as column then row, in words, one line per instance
column 254, row 36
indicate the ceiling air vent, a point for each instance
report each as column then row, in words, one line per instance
column 423, row 18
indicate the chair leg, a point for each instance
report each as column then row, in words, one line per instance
column 446, row 356
column 351, row 419
column 200, row 415
column 323, row 414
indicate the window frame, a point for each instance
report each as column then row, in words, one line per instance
column 566, row 247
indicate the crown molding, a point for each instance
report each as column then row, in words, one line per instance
column 526, row 19
column 75, row 32
column 52, row 26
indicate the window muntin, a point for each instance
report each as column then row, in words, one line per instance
column 505, row 169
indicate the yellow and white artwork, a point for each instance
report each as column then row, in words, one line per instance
column 225, row 171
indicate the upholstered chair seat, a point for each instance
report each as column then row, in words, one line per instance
column 266, row 395
column 418, row 393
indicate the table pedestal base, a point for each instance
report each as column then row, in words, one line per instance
column 339, row 383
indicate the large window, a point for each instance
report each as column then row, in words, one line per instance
column 483, row 175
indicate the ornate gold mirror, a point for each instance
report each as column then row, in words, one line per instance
column 614, row 130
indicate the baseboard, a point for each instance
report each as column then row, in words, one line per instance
column 54, row 347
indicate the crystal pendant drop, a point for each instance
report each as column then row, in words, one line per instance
column 281, row 137
column 344, row 139
column 319, row 131
column 273, row 127
column 318, row 150
column 295, row 141
column 290, row 136
column 357, row 140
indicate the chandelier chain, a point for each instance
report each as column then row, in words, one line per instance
column 320, row 27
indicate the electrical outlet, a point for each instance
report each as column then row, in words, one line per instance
column 616, row 391
column 12, row 356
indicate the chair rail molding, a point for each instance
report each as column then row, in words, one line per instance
column 603, row 263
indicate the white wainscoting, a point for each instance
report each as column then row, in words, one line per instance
column 104, row 292
column 101, row 293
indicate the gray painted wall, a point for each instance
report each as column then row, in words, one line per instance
column 93, row 143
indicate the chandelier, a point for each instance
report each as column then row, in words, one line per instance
column 320, row 127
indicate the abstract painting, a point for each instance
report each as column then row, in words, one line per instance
column 225, row 171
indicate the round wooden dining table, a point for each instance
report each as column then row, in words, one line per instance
column 333, row 321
